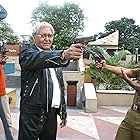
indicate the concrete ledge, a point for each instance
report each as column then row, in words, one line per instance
column 115, row 97
column 90, row 98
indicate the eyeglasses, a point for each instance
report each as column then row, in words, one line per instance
column 45, row 35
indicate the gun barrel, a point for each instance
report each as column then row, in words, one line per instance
column 94, row 55
column 84, row 40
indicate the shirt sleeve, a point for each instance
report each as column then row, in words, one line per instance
column 136, row 72
column 2, row 82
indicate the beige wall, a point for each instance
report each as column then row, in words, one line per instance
column 115, row 97
column 73, row 75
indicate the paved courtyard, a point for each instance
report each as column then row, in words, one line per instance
column 101, row 125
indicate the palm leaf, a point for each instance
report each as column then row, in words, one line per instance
column 104, row 53
column 119, row 56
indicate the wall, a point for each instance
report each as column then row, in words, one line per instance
column 115, row 97
column 16, row 60
column 73, row 75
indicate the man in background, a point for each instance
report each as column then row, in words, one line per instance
column 4, row 99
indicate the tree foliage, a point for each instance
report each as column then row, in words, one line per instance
column 68, row 21
column 129, row 33
column 7, row 34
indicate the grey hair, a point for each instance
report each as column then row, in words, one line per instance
column 40, row 25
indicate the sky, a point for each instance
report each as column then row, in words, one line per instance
column 98, row 12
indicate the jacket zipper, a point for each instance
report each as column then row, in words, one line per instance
column 47, row 90
column 33, row 87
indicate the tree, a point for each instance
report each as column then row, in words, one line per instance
column 6, row 33
column 68, row 21
column 129, row 33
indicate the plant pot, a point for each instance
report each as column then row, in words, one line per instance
column 87, row 78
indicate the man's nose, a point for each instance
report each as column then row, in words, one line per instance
column 46, row 38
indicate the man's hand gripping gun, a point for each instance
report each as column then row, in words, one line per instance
column 85, row 41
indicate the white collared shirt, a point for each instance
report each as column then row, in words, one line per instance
column 56, row 89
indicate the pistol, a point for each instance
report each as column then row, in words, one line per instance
column 94, row 55
column 85, row 41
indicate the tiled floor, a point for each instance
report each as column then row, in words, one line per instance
column 101, row 125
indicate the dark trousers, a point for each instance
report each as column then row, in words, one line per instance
column 38, row 125
column 6, row 126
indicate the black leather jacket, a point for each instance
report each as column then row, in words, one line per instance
column 35, row 85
